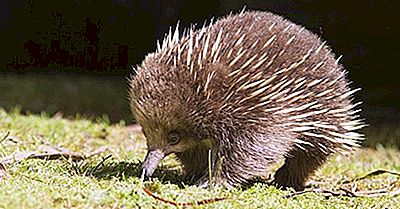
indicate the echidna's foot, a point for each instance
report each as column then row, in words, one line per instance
column 204, row 182
column 255, row 180
column 285, row 178
column 297, row 168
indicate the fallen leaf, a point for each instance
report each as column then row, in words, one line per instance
column 96, row 151
column 19, row 156
column 135, row 128
column 49, row 153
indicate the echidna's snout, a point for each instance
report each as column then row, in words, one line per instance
column 151, row 161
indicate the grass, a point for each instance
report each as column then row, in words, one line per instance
column 111, row 179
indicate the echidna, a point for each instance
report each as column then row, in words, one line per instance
column 241, row 94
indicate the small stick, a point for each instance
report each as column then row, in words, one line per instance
column 201, row 202
column 373, row 173
column 345, row 193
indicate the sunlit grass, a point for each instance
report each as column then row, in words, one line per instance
column 111, row 178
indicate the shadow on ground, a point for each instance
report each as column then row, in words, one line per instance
column 108, row 169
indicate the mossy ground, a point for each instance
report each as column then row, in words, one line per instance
column 111, row 179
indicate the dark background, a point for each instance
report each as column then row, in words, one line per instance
column 73, row 56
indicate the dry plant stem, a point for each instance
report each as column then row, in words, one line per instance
column 209, row 167
column 201, row 202
column 101, row 163
column 371, row 174
column 347, row 193
column 5, row 136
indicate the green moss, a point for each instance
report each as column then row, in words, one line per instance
column 111, row 179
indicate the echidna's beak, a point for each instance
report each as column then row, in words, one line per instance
column 151, row 161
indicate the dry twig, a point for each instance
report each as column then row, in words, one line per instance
column 371, row 174
column 200, row 202
column 353, row 193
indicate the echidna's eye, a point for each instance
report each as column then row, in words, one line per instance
column 173, row 137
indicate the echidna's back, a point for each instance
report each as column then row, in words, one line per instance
column 261, row 50
column 280, row 74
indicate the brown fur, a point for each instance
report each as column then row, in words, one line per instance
column 276, row 92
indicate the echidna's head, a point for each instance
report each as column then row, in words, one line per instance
column 165, row 104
